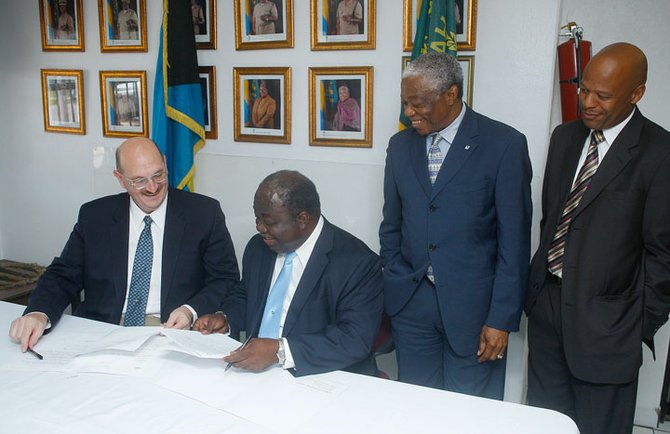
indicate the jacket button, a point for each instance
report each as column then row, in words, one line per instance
column 432, row 208
column 432, row 247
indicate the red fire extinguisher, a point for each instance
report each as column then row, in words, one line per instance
column 573, row 55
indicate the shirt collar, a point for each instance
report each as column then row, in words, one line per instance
column 449, row 133
column 613, row 132
column 158, row 216
column 305, row 250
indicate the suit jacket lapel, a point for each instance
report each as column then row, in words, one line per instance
column 420, row 161
column 118, row 235
column 265, row 270
column 310, row 276
column 618, row 156
column 568, row 167
column 460, row 150
column 172, row 236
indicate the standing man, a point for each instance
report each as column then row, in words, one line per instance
column 455, row 234
column 600, row 279
column 263, row 18
column 311, row 293
column 127, row 22
column 147, row 256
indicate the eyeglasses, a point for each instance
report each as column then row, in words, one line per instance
column 142, row 183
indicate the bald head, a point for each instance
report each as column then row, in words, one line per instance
column 136, row 148
column 613, row 83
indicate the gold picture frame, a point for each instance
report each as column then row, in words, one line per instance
column 63, row 101
column 277, row 32
column 207, row 76
column 466, row 29
column 349, row 26
column 123, row 98
column 468, row 66
column 62, row 29
column 255, row 118
column 123, row 25
column 333, row 122
column 204, row 24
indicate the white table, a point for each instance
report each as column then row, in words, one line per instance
column 189, row 395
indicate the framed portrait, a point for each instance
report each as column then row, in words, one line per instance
column 204, row 23
column 263, row 24
column 207, row 76
column 465, row 12
column 123, row 25
column 63, row 101
column 123, row 95
column 468, row 66
column 340, row 106
column 262, row 104
column 62, row 25
column 343, row 24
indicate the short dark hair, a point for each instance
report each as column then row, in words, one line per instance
column 296, row 191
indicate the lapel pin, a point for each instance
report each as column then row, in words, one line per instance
column 467, row 147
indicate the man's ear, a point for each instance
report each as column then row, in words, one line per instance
column 119, row 178
column 304, row 219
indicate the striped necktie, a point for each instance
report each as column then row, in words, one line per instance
column 557, row 248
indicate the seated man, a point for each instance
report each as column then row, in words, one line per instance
column 153, row 253
column 311, row 293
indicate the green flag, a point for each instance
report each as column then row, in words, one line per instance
column 435, row 31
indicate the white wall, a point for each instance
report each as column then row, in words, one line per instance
column 46, row 176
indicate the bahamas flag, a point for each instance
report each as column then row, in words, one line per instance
column 178, row 118
column 435, row 31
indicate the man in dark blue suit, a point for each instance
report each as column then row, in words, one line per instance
column 455, row 234
column 326, row 313
column 191, row 268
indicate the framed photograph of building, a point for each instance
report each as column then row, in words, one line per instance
column 465, row 13
column 261, row 24
column 63, row 101
column 123, row 96
column 340, row 106
column 123, row 25
column 208, row 86
column 343, row 24
column 62, row 25
column 262, row 104
column 468, row 66
column 204, row 23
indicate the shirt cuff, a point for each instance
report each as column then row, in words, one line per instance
column 193, row 312
column 289, row 363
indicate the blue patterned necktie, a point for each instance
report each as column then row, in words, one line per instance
column 138, row 294
column 275, row 302
column 435, row 158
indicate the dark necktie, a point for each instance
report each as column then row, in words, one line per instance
column 557, row 248
column 138, row 293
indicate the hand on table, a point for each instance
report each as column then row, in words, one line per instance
column 211, row 323
column 258, row 355
column 27, row 329
column 180, row 318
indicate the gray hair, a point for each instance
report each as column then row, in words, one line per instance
column 441, row 70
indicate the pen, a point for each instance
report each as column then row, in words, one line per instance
column 241, row 347
column 35, row 353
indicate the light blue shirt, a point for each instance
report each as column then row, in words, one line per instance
column 448, row 134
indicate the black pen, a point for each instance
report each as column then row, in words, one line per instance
column 35, row 353
column 241, row 347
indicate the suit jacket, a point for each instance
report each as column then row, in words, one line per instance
column 199, row 264
column 616, row 266
column 473, row 226
column 335, row 313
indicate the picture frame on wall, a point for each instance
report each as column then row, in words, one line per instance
column 262, row 104
column 123, row 97
column 343, row 24
column 466, row 23
column 261, row 24
column 63, row 101
column 340, row 106
column 62, row 25
column 468, row 67
column 207, row 76
column 204, row 23
column 123, row 25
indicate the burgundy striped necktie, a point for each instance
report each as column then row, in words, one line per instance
column 557, row 248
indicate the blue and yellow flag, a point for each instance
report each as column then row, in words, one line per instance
column 435, row 31
column 178, row 118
